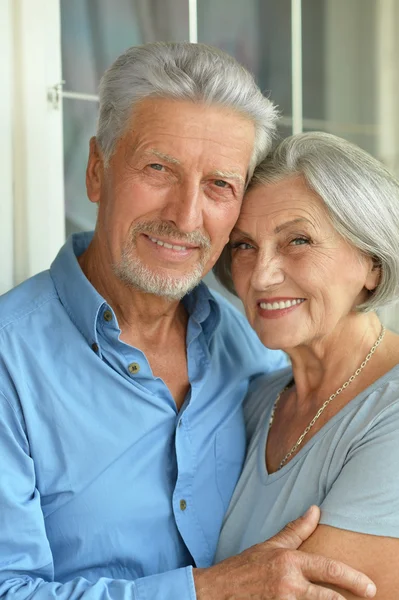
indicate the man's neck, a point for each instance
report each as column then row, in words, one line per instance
column 141, row 316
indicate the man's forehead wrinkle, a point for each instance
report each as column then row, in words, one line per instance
column 213, row 137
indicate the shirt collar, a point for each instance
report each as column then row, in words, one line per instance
column 79, row 298
column 203, row 308
column 83, row 303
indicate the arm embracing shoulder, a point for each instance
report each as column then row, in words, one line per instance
column 26, row 562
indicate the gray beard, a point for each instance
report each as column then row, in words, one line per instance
column 132, row 272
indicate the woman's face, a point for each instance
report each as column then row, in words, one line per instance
column 296, row 276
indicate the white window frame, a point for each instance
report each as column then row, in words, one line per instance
column 32, row 179
column 6, row 149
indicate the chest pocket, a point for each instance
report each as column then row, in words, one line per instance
column 230, row 446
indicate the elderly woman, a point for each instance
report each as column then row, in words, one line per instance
column 314, row 253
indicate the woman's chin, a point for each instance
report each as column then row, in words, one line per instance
column 274, row 342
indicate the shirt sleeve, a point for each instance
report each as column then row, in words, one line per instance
column 26, row 562
column 365, row 494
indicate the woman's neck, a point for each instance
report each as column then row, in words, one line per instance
column 322, row 366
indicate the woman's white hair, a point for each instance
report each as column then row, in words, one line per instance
column 362, row 198
column 181, row 71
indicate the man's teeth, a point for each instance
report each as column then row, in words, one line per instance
column 166, row 245
column 280, row 305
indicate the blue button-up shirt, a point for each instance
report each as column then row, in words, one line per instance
column 105, row 488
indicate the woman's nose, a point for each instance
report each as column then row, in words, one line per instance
column 268, row 272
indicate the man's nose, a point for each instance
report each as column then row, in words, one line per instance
column 268, row 271
column 184, row 207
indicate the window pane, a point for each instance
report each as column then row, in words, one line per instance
column 95, row 32
column 79, row 126
column 258, row 34
column 339, row 66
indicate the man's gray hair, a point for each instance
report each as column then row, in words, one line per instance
column 181, row 71
column 360, row 194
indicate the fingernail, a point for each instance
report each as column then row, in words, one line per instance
column 309, row 511
column 370, row 590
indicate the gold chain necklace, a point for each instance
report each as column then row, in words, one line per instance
column 327, row 402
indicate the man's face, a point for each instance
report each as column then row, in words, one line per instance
column 171, row 193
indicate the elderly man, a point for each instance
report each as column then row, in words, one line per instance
column 122, row 376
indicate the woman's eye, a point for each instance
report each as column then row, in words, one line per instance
column 299, row 241
column 156, row 166
column 240, row 246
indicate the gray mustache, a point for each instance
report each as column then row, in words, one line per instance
column 165, row 229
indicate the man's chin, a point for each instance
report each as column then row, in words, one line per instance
column 158, row 284
column 173, row 291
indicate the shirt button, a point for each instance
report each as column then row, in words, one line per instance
column 180, row 422
column 183, row 505
column 134, row 368
column 94, row 347
column 108, row 315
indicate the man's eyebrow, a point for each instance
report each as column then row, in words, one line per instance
column 175, row 161
column 228, row 175
column 162, row 156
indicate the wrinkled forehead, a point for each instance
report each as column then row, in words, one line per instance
column 289, row 199
column 160, row 112
column 286, row 193
column 182, row 129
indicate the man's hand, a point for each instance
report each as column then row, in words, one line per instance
column 276, row 570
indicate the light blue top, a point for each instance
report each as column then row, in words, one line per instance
column 349, row 468
column 95, row 461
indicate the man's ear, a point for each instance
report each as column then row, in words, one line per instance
column 94, row 172
column 374, row 274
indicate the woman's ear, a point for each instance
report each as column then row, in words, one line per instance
column 94, row 172
column 374, row 274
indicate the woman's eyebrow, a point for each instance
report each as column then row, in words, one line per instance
column 279, row 228
column 292, row 222
column 238, row 231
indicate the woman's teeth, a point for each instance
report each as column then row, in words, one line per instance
column 280, row 305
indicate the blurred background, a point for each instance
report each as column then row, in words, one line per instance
column 329, row 65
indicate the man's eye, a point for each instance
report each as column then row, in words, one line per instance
column 299, row 241
column 220, row 183
column 156, row 166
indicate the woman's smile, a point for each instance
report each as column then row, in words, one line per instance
column 274, row 308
